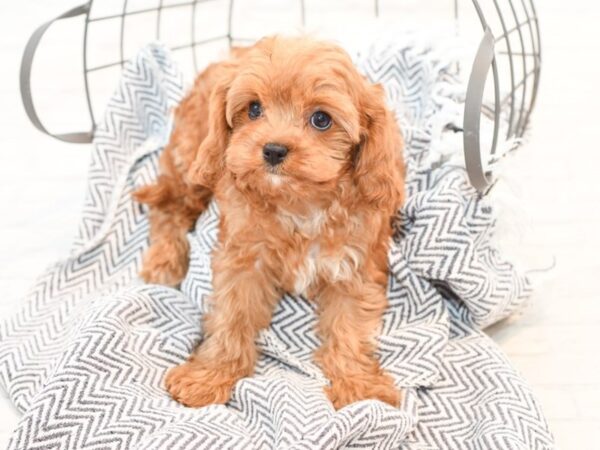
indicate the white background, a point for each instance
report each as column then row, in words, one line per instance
column 554, row 342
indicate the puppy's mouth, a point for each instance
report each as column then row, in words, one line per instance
column 274, row 175
column 275, row 170
column 275, row 179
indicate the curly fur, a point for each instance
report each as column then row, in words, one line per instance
column 318, row 224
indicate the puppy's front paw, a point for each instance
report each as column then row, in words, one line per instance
column 164, row 264
column 344, row 391
column 193, row 385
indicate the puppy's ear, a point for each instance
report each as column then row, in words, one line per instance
column 378, row 164
column 208, row 164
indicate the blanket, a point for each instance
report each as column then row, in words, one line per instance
column 85, row 356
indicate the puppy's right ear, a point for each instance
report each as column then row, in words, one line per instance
column 209, row 162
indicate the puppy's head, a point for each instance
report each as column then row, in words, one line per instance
column 292, row 119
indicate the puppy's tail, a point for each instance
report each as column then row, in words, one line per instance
column 153, row 194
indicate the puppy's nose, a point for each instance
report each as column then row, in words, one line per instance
column 274, row 153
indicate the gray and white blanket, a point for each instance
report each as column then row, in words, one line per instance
column 85, row 356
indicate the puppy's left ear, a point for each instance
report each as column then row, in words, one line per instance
column 378, row 164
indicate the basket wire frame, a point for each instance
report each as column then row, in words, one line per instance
column 515, row 62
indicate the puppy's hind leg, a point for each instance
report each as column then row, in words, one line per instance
column 171, row 217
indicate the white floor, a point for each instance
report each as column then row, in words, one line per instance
column 553, row 343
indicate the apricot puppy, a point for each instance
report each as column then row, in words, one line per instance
column 305, row 163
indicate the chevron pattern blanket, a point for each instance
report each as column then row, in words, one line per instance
column 85, row 356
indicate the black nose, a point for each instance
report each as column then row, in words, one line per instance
column 274, row 153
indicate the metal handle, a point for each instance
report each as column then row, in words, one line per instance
column 25, row 79
column 473, row 102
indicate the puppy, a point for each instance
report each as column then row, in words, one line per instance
column 304, row 161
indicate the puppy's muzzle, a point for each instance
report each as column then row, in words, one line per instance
column 274, row 154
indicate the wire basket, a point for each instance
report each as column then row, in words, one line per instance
column 505, row 35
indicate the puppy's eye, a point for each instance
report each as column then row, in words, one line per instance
column 320, row 120
column 254, row 110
